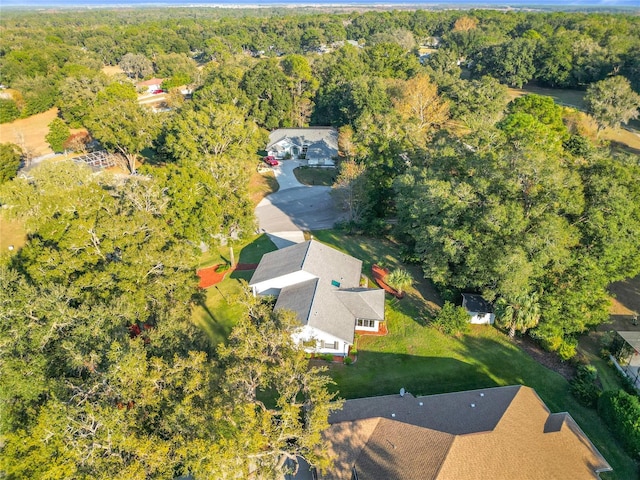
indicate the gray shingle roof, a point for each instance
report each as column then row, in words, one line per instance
column 363, row 302
column 305, row 136
column 475, row 303
column 298, row 298
column 333, row 300
column 280, row 262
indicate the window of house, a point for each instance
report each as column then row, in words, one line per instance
column 361, row 322
column 330, row 345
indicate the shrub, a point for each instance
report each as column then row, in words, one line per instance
column 583, row 386
column 223, row 267
column 327, row 357
column 8, row 110
column 348, row 360
column 621, row 411
column 452, row 320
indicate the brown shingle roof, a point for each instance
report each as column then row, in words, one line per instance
column 507, row 434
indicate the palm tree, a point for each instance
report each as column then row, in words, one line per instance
column 519, row 314
column 399, row 280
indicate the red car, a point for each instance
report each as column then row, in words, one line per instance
column 156, row 92
column 270, row 161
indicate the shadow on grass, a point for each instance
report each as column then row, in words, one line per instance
column 377, row 373
column 253, row 252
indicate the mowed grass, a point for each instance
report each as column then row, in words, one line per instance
column 11, row 233
column 221, row 310
column 419, row 358
column 316, row 175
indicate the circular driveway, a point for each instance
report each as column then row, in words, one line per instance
column 299, row 208
column 296, row 207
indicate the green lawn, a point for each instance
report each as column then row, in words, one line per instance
column 220, row 310
column 249, row 250
column 11, row 233
column 422, row 360
column 416, row 356
column 316, row 175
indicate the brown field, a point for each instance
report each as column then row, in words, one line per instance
column 29, row 133
column 112, row 70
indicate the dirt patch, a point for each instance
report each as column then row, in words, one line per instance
column 112, row 70
column 627, row 297
column 12, row 233
column 548, row 359
column 29, row 133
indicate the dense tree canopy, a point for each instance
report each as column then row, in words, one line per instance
column 103, row 373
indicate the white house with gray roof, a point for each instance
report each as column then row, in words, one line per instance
column 318, row 145
column 480, row 311
column 322, row 286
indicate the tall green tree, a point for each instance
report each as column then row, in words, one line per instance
column 612, row 102
column 58, row 134
column 123, row 126
column 9, row 161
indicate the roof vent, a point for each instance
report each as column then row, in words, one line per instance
column 402, row 392
column 420, row 403
column 393, row 415
column 482, row 394
column 473, row 405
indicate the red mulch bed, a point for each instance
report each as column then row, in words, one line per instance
column 209, row 276
column 379, row 274
column 382, row 330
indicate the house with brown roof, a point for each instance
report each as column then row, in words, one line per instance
column 494, row 433
column 322, row 286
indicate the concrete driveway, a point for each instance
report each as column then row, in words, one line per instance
column 295, row 207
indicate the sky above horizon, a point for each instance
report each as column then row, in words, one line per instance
column 267, row 3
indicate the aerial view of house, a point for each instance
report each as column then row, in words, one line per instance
column 318, row 145
column 499, row 433
column 323, row 287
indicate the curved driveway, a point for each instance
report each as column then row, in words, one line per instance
column 295, row 207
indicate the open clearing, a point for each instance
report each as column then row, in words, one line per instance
column 29, row 133
column 619, row 137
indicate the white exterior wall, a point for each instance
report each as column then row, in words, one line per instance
column 476, row 318
column 307, row 333
column 281, row 282
column 369, row 329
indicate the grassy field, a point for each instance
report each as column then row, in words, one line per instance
column 11, row 233
column 422, row 360
column 261, row 185
column 220, row 310
column 315, row 175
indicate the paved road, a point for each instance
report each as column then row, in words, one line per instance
column 295, row 207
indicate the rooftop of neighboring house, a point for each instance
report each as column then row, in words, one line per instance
column 305, row 136
column 475, row 303
column 498, row 433
column 151, row 81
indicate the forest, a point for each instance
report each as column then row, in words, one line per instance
column 103, row 374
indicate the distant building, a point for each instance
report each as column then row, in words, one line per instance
column 318, row 145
